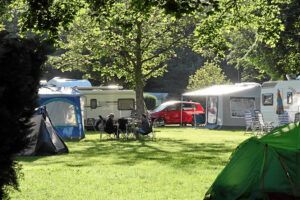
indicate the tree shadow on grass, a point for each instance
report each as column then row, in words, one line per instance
column 177, row 153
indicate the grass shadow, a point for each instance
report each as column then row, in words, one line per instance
column 177, row 153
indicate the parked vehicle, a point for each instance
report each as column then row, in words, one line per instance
column 276, row 94
column 226, row 104
column 177, row 112
column 100, row 101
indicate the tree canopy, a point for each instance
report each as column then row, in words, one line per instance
column 209, row 74
column 123, row 43
column 258, row 36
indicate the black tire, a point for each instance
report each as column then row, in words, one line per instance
column 158, row 122
column 193, row 121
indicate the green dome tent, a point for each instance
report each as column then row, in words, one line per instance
column 262, row 168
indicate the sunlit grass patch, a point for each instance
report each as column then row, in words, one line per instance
column 180, row 164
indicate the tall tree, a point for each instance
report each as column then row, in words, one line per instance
column 125, row 43
column 247, row 34
column 209, row 74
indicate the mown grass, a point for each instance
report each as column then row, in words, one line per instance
column 180, row 164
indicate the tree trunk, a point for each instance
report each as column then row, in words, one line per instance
column 139, row 82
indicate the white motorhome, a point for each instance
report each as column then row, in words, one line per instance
column 103, row 101
column 290, row 93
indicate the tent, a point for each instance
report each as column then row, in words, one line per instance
column 65, row 109
column 44, row 139
column 262, row 168
column 226, row 104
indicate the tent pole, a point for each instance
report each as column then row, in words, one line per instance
column 206, row 115
column 181, row 111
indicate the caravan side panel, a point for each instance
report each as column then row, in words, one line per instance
column 108, row 101
column 290, row 94
column 235, row 105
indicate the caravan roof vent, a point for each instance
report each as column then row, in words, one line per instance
column 290, row 76
column 269, row 84
column 111, row 87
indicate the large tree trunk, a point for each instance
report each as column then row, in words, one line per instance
column 139, row 88
column 139, row 82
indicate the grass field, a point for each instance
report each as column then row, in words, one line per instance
column 180, row 164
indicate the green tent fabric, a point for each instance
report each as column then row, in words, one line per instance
column 262, row 168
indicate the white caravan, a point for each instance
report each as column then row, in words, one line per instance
column 103, row 101
column 290, row 94
column 226, row 104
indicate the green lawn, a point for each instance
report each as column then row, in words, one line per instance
column 180, row 164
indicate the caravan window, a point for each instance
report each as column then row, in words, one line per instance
column 93, row 103
column 267, row 99
column 126, row 104
column 289, row 97
column 238, row 106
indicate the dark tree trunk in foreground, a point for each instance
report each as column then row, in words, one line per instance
column 20, row 70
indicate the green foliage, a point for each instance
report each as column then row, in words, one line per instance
column 123, row 43
column 115, row 46
column 48, row 16
column 150, row 101
column 209, row 74
column 191, row 158
column 20, row 71
column 258, row 37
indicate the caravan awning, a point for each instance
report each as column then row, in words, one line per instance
column 219, row 90
column 57, row 91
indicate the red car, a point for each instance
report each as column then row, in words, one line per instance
column 170, row 112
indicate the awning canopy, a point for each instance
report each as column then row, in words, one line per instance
column 219, row 90
column 58, row 91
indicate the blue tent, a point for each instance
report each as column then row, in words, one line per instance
column 65, row 110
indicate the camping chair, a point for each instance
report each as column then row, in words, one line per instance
column 123, row 128
column 260, row 125
column 248, row 120
column 100, row 126
column 283, row 118
column 151, row 135
column 297, row 117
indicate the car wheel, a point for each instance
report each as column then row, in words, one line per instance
column 193, row 122
column 159, row 122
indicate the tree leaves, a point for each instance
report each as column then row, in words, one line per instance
column 209, row 74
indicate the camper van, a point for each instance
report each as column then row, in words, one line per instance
column 288, row 91
column 103, row 101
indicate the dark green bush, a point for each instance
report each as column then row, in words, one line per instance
column 20, row 71
column 150, row 101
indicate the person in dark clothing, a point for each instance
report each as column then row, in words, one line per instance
column 145, row 127
column 110, row 126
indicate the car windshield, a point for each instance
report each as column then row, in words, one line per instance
column 163, row 106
